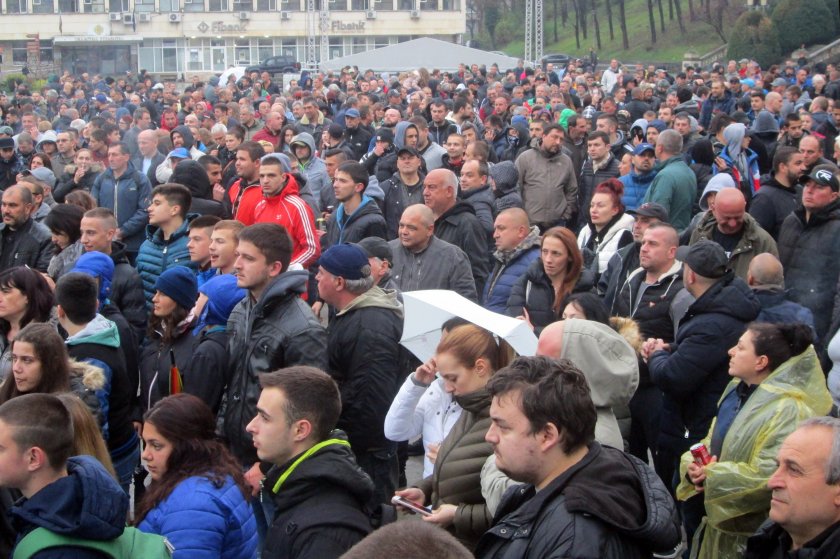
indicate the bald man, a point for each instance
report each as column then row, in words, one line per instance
column 148, row 157
column 423, row 261
column 606, row 359
column 730, row 226
column 23, row 241
column 766, row 277
column 517, row 246
column 456, row 222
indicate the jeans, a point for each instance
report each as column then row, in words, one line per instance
column 124, row 467
column 382, row 467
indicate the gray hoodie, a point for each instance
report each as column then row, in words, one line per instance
column 314, row 169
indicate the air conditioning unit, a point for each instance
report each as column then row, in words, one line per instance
column 144, row 18
column 128, row 19
column 285, row 16
column 370, row 14
column 174, row 18
column 415, row 14
column 244, row 15
column 115, row 17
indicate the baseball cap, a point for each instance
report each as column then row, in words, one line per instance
column 384, row 135
column 180, row 153
column 641, row 148
column 779, row 82
column 346, row 261
column 7, row 130
column 101, row 98
column 7, row 143
column 407, row 149
column 376, row 247
column 651, row 209
column 824, row 175
column 44, row 175
column 706, row 258
column 352, row 113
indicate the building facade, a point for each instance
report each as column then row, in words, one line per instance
column 203, row 37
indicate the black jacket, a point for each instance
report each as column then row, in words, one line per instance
column 534, row 292
column 66, row 185
column 589, row 179
column 366, row 221
column 773, row 203
column 608, row 505
column 32, row 245
column 696, row 370
column 127, row 290
column 320, row 507
column 364, row 359
column 772, row 542
column 810, row 255
column 156, row 362
column 459, row 226
column 277, row 331
column 439, row 133
column 398, row 197
column 358, row 139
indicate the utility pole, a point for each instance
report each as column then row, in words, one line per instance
column 311, row 32
column 533, row 31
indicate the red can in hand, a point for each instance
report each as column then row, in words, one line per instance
column 701, row 454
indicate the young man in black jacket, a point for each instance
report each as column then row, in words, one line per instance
column 319, row 492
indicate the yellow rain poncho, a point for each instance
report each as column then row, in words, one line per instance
column 736, row 496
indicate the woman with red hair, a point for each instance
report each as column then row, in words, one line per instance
column 608, row 229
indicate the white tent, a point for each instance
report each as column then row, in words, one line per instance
column 419, row 53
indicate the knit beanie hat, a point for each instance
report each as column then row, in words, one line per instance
column 222, row 295
column 505, row 176
column 344, row 261
column 97, row 265
column 179, row 284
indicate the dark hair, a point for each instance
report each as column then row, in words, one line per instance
column 599, row 135
column 575, row 264
column 205, row 222
column 254, row 150
column 357, row 172
column 78, row 295
column 65, row 219
column 188, row 424
column 272, row 240
column 38, row 294
column 310, row 394
column 592, row 307
column 175, row 195
column 207, row 160
column 481, row 150
column 124, row 149
column 80, row 198
column 780, row 342
column 703, row 152
column 45, row 160
column 409, row 540
column 51, row 352
column 783, row 155
column 40, row 420
column 338, row 153
column 613, row 188
column 550, row 391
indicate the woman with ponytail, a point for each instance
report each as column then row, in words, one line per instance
column 777, row 384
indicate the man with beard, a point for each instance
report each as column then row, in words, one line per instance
column 780, row 191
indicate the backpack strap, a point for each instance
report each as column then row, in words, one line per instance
column 129, row 542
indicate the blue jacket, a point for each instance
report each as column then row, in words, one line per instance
column 203, row 521
column 506, row 272
column 157, row 255
column 712, row 107
column 635, row 188
column 748, row 185
column 88, row 504
column 128, row 197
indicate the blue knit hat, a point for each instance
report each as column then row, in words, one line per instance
column 222, row 296
column 179, row 284
column 100, row 266
column 344, row 261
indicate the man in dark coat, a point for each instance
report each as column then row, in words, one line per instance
column 23, row 241
column 780, row 191
column 364, row 358
column 517, row 245
column 804, row 518
column 320, row 497
column 579, row 499
column 357, row 216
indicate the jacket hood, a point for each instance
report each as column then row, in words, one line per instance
column 88, row 503
column 460, row 207
column 93, row 377
column 100, row 331
column 118, row 253
column 800, row 376
column 734, row 135
column 367, row 206
column 287, row 284
column 608, row 360
column 186, row 133
column 375, row 297
column 716, row 184
column 307, row 139
column 765, row 122
column 730, row 296
column 399, row 133
column 304, row 476
column 192, row 175
column 629, row 330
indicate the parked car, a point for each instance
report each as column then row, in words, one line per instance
column 276, row 65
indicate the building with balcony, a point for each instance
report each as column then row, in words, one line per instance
column 203, row 37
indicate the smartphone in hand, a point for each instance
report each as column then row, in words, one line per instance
column 402, row 502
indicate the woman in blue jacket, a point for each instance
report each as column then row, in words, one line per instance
column 198, row 498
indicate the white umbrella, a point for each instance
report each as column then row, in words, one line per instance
column 237, row 71
column 426, row 311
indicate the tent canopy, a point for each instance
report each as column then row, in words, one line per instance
column 420, row 53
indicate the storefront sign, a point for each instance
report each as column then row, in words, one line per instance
column 341, row 27
column 219, row 27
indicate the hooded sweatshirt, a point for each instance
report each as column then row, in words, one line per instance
column 164, row 171
column 313, row 168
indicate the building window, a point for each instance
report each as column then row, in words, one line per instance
column 243, row 6
column 68, row 7
column 94, row 7
column 145, row 5
column 266, row 5
column 42, row 6
column 336, row 48
column 428, row 5
column 193, row 5
column 338, row 5
column 384, row 5
column 359, row 45
column 290, row 5
column 288, row 47
column 219, row 6
column 242, row 52
column 117, row 6
column 379, row 42
column 265, row 49
column 16, row 6
column 170, row 5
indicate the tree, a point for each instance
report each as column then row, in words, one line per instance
column 652, row 19
column 754, row 36
column 802, row 22
column 623, row 23
column 595, row 23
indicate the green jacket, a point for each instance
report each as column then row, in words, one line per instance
column 675, row 187
column 754, row 241
column 736, row 496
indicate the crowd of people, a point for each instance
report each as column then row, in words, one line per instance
column 201, row 307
